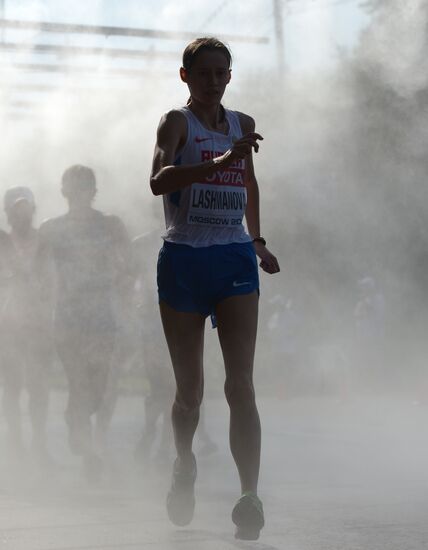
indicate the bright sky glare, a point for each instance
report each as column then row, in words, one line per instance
column 313, row 29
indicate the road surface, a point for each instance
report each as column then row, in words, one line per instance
column 336, row 474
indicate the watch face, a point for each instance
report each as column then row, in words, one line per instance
column 260, row 240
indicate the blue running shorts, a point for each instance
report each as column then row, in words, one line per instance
column 197, row 279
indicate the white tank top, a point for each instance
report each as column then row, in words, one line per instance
column 210, row 211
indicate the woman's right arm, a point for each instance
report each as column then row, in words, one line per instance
column 171, row 136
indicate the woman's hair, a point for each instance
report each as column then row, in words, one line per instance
column 202, row 44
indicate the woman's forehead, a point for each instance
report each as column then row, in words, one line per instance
column 210, row 58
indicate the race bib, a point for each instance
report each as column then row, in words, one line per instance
column 219, row 201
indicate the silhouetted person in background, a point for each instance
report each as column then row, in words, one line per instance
column 154, row 357
column 5, row 268
column 369, row 315
column 92, row 257
column 27, row 326
column 6, row 274
column 156, row 361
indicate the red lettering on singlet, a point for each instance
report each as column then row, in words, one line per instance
column 208, row 155
column 233, row 175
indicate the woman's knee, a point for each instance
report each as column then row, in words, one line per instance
column 239, row 391
column 189, row 400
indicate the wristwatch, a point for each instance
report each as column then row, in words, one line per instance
column 259, row 240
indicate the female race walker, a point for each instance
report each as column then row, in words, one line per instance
column 207, row 266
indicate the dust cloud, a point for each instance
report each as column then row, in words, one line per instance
column 340, row 363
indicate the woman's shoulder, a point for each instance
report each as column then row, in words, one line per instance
column 173, row 121
column 174, row 116
column 247, row 122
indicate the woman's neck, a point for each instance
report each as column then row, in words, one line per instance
column 211, row 116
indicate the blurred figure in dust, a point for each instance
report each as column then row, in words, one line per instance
column 155, row 359
column 27, row 328
column 92, row 256
column 5, row 267
column 285, row 338
column 369, row 315
column 6, row 274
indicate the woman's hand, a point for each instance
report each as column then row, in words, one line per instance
column 268, row 263
column 240, row 149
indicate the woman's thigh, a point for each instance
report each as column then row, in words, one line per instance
column 237, row 318
column 184, row 333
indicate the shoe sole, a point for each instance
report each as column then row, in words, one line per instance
column 180, row 513
column 248, row 521
column 180, row 502
column 244, row 534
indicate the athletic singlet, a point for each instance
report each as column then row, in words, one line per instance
column 208, row 212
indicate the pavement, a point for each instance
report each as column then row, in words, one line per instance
column 337, row 474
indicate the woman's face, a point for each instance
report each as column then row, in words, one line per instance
column 208, row 77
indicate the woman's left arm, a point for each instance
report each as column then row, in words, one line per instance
column 268, row 263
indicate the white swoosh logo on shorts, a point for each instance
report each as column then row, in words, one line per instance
column 235, row 283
